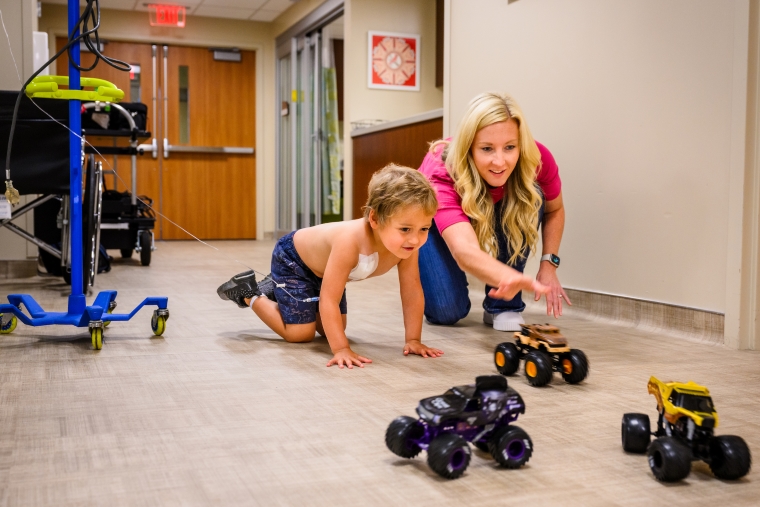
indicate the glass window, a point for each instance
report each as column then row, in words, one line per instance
column 184, row 105
column 134, row 83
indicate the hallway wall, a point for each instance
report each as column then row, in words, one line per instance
column 643, row 105
column 20, row 20
column 361, row 102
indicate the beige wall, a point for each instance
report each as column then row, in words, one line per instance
column 294, row 14
column 20, row 20
column 643, row 105
column 201, row 31
column 361, row 102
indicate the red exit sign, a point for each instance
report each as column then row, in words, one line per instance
column 167, row 15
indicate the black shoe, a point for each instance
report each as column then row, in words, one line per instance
column 240, row 287
column 266, row 287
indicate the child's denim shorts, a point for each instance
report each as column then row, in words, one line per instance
column 300, row 283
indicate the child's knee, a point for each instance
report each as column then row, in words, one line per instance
column 300, row 335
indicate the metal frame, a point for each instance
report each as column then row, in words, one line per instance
column 291, row 42
column 24, row 234
column 79, row 313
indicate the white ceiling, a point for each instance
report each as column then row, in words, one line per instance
column 253, row 10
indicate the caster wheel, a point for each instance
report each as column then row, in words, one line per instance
column 97, row 338
column 111, row 308
column 158, row 324
column 146, row 243
column 7, row 326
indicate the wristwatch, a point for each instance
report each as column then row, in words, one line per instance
column 554, row 259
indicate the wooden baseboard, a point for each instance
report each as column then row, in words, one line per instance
column 693, row 323
column 18, row 269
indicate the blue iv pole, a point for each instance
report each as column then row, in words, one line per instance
column 78, row 314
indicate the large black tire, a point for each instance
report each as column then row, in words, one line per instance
column 146, row 242
column 669, row 459
column 506, row 357
column 511, row 447
column 730, row 458
column 574, row 366
column 635, row 433
column 91, row 210
column 538, row 368
column 400, row 435
column 449, row 455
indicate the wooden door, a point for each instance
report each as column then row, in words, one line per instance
column 211, row 195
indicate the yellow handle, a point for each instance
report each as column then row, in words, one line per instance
column 47, row 87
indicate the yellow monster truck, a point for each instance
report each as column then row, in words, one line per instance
column 685, row 425
column 545, row 350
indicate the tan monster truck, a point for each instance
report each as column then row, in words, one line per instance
column 545, row 350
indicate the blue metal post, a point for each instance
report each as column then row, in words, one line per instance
column 77, row 303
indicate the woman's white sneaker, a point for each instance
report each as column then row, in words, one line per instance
column 504, row 321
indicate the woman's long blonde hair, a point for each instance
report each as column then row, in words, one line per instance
column 519, row 219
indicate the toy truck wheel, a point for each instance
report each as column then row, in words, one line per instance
column 729, row 457
column 669, row 459
column 507, row 358
column 400, row 437
column 511, row 447
column 574, row 366
column 635, row 433
column 449, row 455
column 538, row 368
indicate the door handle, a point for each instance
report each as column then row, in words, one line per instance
column 230, row 150
column 151, row 147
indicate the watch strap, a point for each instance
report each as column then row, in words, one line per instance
column 553, row 259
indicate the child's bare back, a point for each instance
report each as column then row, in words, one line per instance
column 310, row 267
column 315, row 244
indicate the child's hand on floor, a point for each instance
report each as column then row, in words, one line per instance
column 349, row 358
column 419, row 348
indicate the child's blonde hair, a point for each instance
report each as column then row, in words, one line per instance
column 394, row 187
column 519, row 216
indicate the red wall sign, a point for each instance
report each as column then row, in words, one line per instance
column 167, row 15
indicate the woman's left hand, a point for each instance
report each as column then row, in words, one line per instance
column 419, row 348
column 547, row 275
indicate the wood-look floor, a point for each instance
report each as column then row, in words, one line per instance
column 220, row 411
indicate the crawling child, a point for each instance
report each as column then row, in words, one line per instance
column 311, row 266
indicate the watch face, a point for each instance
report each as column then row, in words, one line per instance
column 555, row 260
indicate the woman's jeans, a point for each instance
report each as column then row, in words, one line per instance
column 447, row 298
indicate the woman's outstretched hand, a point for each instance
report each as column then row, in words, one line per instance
column 556, row 293
column 513, row 283
column 419, row 348
column 348, row 358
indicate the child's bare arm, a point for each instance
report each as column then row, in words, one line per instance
column 343, row 257
column 413, row 304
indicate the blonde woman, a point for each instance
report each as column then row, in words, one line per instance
column 495, row 185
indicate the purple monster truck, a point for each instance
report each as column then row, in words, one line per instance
column 481, row 413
